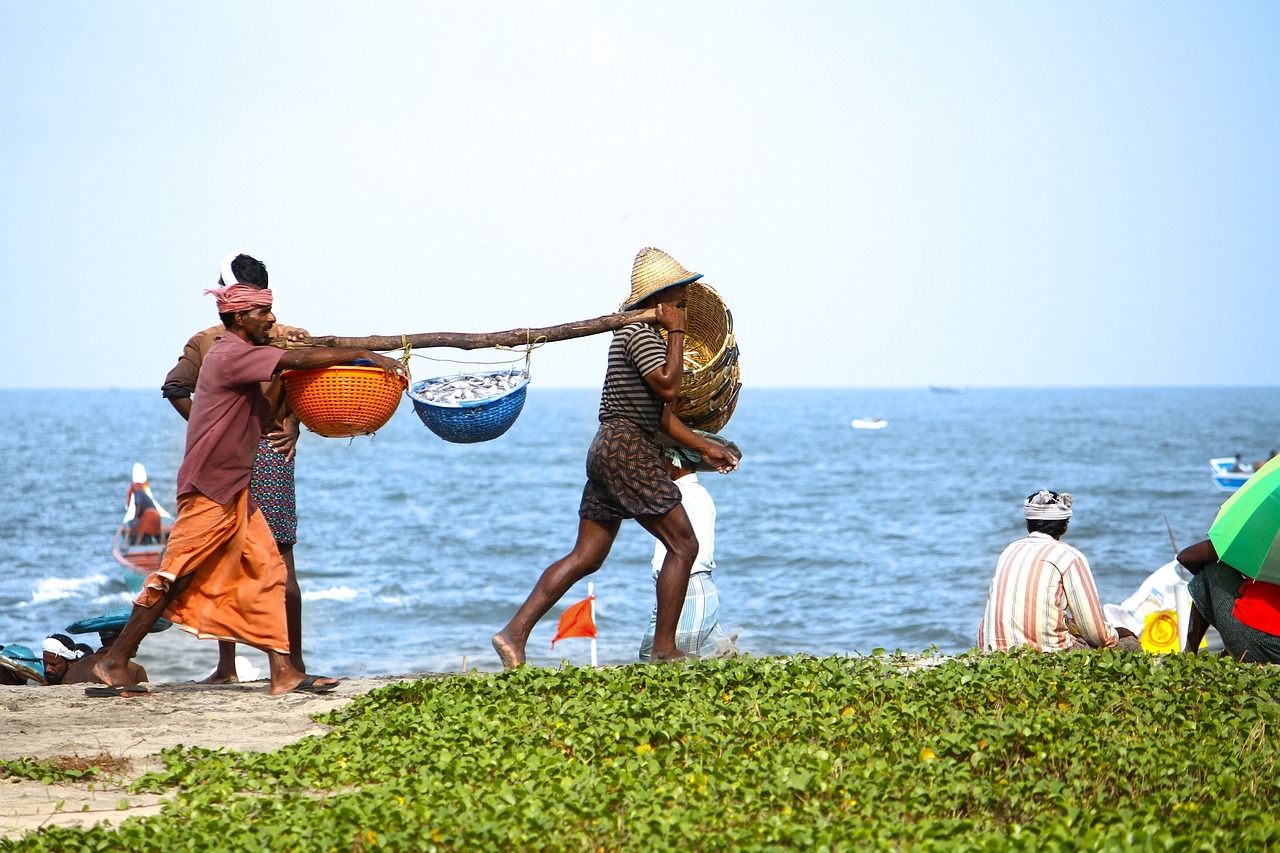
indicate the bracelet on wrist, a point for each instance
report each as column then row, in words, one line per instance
column 675, row 331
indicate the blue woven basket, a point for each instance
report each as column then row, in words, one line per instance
column 468, row 423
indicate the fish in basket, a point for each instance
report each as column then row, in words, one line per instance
column 471, row 407
column 343, row 401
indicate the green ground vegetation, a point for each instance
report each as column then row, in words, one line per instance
column 1086, row 751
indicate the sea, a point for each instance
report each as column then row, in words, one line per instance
column 830, row 540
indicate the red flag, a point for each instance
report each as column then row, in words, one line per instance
column 576, row 621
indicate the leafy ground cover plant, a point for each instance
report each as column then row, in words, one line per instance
column 988, row 752
column 65, row 768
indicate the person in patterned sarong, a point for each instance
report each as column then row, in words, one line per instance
column 625, row 475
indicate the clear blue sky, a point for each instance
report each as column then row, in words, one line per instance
column 886, row 194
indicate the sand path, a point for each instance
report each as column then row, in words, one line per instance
column 49, row 722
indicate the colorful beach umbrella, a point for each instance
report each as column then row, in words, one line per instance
column 1246, row 533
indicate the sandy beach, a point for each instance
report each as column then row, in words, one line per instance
column 60, row 721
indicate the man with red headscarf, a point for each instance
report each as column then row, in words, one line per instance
column 222, row 576
column 272, row 483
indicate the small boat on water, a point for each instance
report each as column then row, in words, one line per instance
column 143, row 533
column 1227, row 474
column 870, row 423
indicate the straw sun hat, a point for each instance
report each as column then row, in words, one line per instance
column 655, row 270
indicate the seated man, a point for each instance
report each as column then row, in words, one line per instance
column 1043, row 594
column 1246, row 612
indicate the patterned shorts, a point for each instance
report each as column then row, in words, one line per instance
column 272, row 489
column 625, row 476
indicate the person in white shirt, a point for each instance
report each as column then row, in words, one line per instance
column 698, row 632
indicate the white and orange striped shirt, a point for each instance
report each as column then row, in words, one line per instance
column 1042, row 594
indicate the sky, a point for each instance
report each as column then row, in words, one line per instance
column 885, row 194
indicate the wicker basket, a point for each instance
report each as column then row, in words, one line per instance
column 712, row 375
column 343, row 401
column 470, row 421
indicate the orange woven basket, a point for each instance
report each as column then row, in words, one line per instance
column 344, row 401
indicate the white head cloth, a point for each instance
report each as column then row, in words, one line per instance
column 228, row 277
column 1047, row 506
column 54, row 646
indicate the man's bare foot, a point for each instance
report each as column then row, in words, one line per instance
column 111, row 676
column 512, row 655
column 673, row 656
column 220, row 677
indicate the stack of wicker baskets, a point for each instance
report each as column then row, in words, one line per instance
column 712, row 375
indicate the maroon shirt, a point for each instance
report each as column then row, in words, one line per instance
column 228, row 414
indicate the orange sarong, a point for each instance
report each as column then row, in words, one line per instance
column 237, row 576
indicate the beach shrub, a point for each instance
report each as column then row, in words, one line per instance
column 1084, row 751
column 64, row 768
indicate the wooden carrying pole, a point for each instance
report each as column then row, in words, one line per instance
column 479, row 340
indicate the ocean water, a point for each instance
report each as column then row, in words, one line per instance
column 830, row 540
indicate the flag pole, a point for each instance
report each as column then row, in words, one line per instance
column 591, row 594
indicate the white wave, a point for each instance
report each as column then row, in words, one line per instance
column 337, row 593
column 53, row 589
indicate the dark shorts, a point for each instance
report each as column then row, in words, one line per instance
column 271, row 487
column 625, row 476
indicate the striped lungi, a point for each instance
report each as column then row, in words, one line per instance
column 1214, row 592
column 698, row 631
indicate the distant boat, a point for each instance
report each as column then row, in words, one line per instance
column 143, row 533
column 870, row 423
column 1224, row 477
column 949, row 389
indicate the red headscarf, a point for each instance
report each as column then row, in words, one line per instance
column 241, row 297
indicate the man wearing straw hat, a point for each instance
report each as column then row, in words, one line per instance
column 222, row 576
column 272, row 483
column 625, row 475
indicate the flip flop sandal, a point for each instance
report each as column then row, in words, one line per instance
column 308, row 685
column 110, row 691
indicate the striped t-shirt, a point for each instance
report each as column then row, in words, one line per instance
column 636, row 351
column 1042, row 594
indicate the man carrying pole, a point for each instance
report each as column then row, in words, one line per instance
column 222, row 576
column 625, row 476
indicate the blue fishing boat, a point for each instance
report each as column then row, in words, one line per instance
column 1227, row 475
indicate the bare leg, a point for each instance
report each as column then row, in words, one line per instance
column 113, row 667
column 595, row 538
column 675, row 532
column 1197, row 625
column 292, row 608
column 225, row 673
